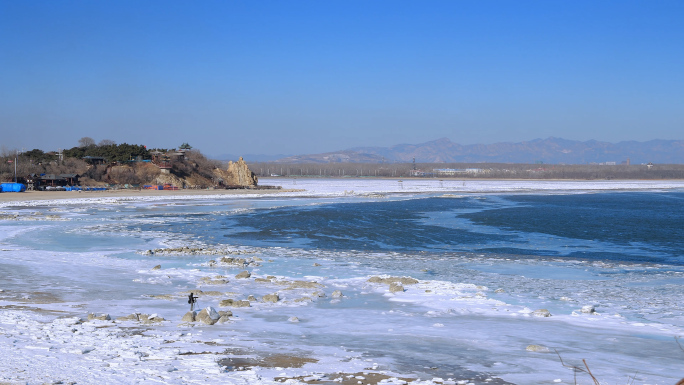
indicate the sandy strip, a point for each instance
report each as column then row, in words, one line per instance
column 54, row 195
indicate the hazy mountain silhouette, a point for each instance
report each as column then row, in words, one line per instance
column 250, row 157
column 550, row 150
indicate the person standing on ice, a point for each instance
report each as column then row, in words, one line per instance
column 191, row 300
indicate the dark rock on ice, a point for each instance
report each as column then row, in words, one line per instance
column 244, row 274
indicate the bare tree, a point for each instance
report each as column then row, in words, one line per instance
column 95, row 173
column 6, row 152
column 69, row 166
column 122, row 175
column 106, row 142
column 146, row 173
column 86, row 141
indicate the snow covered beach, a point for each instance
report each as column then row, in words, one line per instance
column 341, row 315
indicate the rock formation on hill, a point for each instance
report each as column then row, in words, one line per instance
column 195, row 171
column 238, row 174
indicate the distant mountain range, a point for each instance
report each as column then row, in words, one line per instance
column 250, row 157
column 550, row 150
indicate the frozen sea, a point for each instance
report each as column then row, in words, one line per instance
column 509, row 277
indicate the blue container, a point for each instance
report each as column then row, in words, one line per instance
column 12, row 187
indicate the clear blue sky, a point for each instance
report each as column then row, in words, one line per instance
column 295, row 77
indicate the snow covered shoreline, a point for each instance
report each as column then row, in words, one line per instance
column 293, row 187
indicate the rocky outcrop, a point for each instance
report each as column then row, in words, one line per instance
column 396, row 284
column 209, row 293
column 132, row 317
column 243, row 275
column 234, row 303
column 273, row 298
column 238, row 175
column 208, row 315
column 189, row 316
column 103, row 317
column 537, row 349
column 218, row 280
column 389, row 280
column 149, row 319
column 167, row 297
column 233, row 261
column 396, row 287
column 139, row 317
column 541, row 313
column 291, row 285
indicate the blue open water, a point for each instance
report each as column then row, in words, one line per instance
column 618, row 226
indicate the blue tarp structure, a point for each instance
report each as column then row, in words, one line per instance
column 12, row 187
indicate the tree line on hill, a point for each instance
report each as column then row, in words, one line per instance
column 112, row 152
column 107, row 149
column 469, row 170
